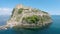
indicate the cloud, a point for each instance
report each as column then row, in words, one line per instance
column 5, row 11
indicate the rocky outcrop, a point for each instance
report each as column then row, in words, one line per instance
column 27, row 17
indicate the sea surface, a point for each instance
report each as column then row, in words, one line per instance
column 54, row 28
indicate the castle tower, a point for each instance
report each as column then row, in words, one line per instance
column 19, row 6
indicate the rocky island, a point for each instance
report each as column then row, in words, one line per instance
column 28, row 17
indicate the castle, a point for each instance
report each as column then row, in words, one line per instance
column 24, row 7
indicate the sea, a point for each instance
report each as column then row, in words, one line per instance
column 54, row 28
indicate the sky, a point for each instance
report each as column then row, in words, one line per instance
column 50, row 6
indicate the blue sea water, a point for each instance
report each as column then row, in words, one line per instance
column 54, row 28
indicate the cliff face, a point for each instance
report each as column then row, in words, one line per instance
column 27, row 17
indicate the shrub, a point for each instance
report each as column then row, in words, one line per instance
column 32, row 19
column 20, row 10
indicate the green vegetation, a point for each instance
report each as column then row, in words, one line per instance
column 35, row 19
column 46, row 18
column 20, row 10
column 32, row 19
column 44, row 12
column 13, row 12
